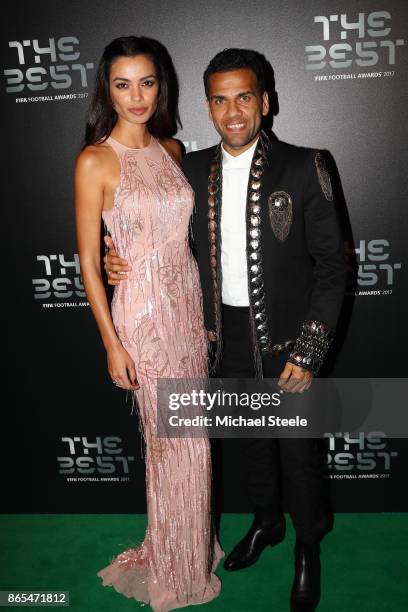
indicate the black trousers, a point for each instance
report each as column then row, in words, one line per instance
column 275, row 467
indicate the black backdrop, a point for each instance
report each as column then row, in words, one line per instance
column 72, row 443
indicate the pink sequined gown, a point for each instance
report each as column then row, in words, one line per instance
column 158, row 317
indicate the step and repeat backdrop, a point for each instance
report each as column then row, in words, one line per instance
column 72, row 441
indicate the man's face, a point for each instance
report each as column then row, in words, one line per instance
column 236, row 108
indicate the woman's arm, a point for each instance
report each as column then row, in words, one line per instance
column 89, row 190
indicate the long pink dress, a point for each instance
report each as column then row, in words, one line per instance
column 157, row 314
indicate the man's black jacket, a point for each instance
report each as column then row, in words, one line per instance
column 304, row 275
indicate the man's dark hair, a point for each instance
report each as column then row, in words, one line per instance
column 236, row 59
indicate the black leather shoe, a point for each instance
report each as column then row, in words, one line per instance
column 305, row 594
column 249, row 549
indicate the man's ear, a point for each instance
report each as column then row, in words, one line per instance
column 265, row 103
column 209, row 111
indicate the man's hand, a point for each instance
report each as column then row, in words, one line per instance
column 294, row 379
column 115, row 266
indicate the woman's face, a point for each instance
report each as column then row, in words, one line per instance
column 134, row 88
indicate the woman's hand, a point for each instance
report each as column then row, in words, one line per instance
column 121, row 368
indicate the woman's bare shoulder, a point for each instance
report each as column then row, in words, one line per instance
column 174, row 148
column 95, row 157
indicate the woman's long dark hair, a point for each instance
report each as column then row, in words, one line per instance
column 102, row 117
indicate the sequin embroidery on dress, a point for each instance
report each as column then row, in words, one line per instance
column 157, row 313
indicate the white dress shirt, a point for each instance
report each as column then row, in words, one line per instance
column 235, row 175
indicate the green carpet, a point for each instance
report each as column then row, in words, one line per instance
column 364, row 561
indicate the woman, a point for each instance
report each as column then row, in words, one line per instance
column 128, row 173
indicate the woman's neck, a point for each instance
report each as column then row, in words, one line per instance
column 135, row 136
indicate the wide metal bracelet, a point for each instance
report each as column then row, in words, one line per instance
column 312, row 345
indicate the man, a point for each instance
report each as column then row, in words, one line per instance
column 272, row 269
